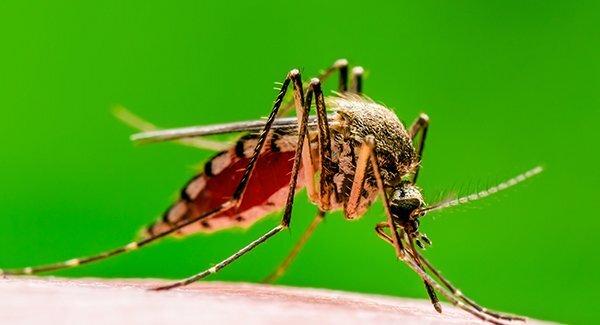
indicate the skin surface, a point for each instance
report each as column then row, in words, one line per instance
column 101, row 301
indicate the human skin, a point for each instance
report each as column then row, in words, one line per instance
column 102, row 301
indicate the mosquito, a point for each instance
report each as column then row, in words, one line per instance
column 345, row 157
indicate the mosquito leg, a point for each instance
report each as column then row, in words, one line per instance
column 399, row 246
column 323, row 198
column 314, row 87
column 127, row 248
column 448, row 295
column 282, row 268
column 326, row 177
column 396, row 240
column 421, row 124
column 293, row 76
column 356, row 84
column 458, row 293
column 328, row 168
column 379, row 229
column 340, row 65
column 139, row 124
column 358, row 182
column 287, row 213
column 225, row 262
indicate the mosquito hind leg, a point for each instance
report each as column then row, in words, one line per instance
column 419, row 127
column 303, row 105
column 287, row 214
column 292, row 77
column 104, row 255
column 285, row 264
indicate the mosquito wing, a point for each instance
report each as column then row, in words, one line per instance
column 285, row 123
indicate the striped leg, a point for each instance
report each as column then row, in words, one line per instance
column 293, row 76
column 419, row 257
column 350, row 210
column 127, row 248
column 282, row 268
column 340, row 65
column 404, row 255
column 323, row 198
column 287, row 214
column 379, row 229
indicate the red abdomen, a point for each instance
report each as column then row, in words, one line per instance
column 266, row 191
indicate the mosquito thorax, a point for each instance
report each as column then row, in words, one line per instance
column 405, row 199
column 358, row 117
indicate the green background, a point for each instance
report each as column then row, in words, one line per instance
column 507, row 84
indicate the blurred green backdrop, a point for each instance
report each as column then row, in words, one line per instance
column 508, row 85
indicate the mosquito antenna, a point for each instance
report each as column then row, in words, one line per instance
column 480, row 195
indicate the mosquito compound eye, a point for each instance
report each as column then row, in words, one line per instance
column 404, row 207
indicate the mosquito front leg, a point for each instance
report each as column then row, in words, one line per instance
column 455, row 291
column 369, row 142
column 287, row 214
column 399, row 246
column 420, row 127
column 380, row 230
column 420, row 259
column 448, row 295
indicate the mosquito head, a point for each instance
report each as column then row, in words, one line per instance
column 405, row 203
